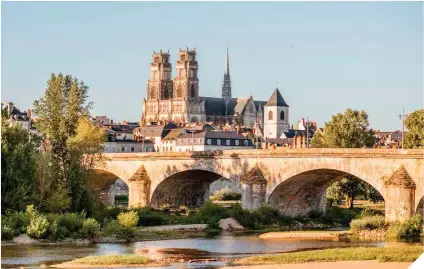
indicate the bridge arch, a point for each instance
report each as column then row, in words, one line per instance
column 103, row 182
column 306, row 191
column 188, row 187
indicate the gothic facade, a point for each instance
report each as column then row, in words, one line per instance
column 177, row 100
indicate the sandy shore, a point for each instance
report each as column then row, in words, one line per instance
column 181, row 227
column 330, row 265
column 74, row 265
column 324, row 235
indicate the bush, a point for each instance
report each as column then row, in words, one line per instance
column 410, row 228
column 7, row 232
column 72, row 222
column 367, row 212
column 210, row 211
column 368, row 223
column 225, row 194
column 150, row 220
column 184, row 210
column 111, row 227
column 128, row 219
column 57, row 232
column 38, row 224
column 90, row 228
column 18, row 220
column 108, row 213
column 243, row 216
column 337, row 215
column 268, row 215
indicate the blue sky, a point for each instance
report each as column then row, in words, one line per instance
column 363, row 55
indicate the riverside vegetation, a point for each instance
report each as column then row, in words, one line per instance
column 127, row 225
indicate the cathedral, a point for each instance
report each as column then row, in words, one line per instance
column 177, row 100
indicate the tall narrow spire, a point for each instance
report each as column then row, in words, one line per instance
column 227, row 63
column 226, row 84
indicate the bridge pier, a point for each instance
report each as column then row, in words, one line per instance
column 400, row 196
column 253, row 186
column 139, row 189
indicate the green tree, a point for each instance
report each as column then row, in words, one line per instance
column 59, row 112
column 317, row 140
column 18, row 152
column 415, row 125
column 348, row 130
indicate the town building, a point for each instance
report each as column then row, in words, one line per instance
column 212, row 140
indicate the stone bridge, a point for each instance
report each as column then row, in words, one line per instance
column 294, row 180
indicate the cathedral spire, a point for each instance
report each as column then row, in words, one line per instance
column 226, row 84
column 227, row 63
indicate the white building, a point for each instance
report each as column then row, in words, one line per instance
column 212, row 140
column 276, row 114
column 128, row 146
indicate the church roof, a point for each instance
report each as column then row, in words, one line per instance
column 215, row 106
column 276, row 99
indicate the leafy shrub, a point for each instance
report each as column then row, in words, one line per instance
column 211, row 211
column 111, row 227
column 337, row 215
column 38, row 224
column 243, row 216
column 184, row 210
column 410, row 228
column 268, row 215
column 150, row 220
column 315, row 214
column 367, row 212
column 90, row 228
column 18, row 220
column 108, row 213
column 145, row 211
column 71, row 221
column 7, row 232
column 128, row 219
column 57, row 232
column 225, row 194
column 368, row 223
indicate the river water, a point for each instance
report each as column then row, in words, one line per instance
column 225, row 246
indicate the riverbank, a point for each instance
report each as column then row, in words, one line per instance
column 330, row 265
column 390, row 254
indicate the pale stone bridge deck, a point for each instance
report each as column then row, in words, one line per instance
column 295, row 180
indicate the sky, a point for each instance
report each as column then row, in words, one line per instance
column 323, row 56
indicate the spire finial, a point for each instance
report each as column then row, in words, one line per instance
column 227, row 63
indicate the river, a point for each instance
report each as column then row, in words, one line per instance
column 227, row 246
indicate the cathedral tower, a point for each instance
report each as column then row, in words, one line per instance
column 186, row 82
column 159, row 86
column 226, row 84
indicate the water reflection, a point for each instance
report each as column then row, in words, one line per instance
column 226, row 245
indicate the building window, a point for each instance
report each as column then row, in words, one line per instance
column 193, row 91
column 209, row 142
column 282, row 115
column 246, row 143
column 132, row 149
column 270, row 115
column 218, row 142
column 228, row 143
column 179, row 92
column 122, row 149
column 237, row 142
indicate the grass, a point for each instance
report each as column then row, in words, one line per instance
column 393, row 254
column 368, row 223
column 113, row 259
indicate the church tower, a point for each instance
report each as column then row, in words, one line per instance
column 186, row 82
column 276, row 116
column 157, row 107
column 226, row 84
column 159, row 86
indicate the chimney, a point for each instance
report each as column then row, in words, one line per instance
column 28, row 112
